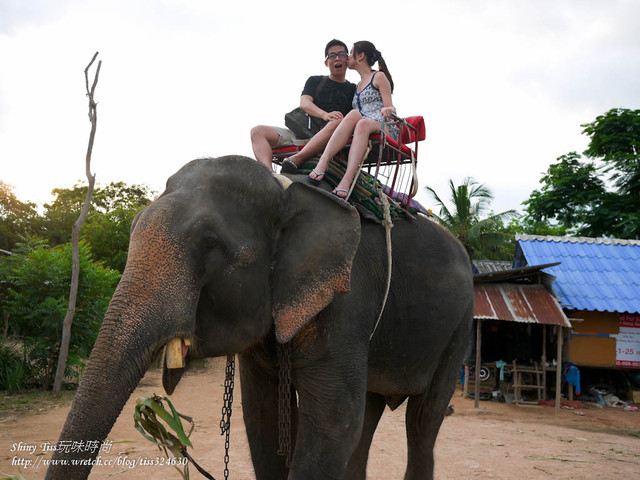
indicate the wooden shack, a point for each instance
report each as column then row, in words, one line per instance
column 598, row 283
column 521, row 297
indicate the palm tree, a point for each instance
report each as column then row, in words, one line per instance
column 481, row 237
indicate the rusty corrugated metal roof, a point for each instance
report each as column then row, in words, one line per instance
column 530, row 303
column 487, row 266
column 513, row 274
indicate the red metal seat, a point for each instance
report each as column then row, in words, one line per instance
column 412, row 130
column 392, row 163
column 285, row 151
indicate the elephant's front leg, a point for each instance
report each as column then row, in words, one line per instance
column 332, row 398
column 260, row 414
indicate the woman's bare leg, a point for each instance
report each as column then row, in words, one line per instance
column 363, row 129
column 338, row 140
column 317, row 143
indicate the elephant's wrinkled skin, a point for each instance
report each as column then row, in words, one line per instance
column 229, row 259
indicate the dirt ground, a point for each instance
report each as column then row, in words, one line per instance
column 494, row 441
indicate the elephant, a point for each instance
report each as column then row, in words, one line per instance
column 234, row 259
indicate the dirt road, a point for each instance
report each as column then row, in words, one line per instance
column 495, row 441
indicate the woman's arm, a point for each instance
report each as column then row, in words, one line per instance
column 381, row 82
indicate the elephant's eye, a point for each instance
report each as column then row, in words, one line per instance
column 212, row 241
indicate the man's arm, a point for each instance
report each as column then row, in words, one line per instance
column 306, row 103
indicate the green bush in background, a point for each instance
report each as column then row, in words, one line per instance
column 34, row 292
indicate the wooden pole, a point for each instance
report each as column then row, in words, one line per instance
column 559, row 368
column 465, row 389
column 75, row 235
column 478, row 363
column 544, row 362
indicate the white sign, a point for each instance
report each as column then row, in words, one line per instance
column 628, row 342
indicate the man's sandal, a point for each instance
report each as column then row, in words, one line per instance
column 317, row 179
column 288, row 166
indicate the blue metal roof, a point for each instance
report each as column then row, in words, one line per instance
column 596, row 274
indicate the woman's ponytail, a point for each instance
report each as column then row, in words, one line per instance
column 383, row 68
column 373, row 55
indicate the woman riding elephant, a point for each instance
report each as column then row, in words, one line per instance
column 234, row 262
column 371, row 104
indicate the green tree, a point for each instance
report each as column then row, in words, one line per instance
column 570, row 196
column 119, row 195
column 577, row 198
column 108, row 224
column 615, row 139
column 109, row 227
column 17, row 219
column 523, row 224
column 483, row 238
column 60, row 215
column 108, row 235
column 37, row 280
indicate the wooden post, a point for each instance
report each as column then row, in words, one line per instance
column 75, row 235
column 465, row 389
column 559, row 368
column 544, row 362
column 478, row 363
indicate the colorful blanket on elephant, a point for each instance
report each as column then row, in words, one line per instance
column 365, row 196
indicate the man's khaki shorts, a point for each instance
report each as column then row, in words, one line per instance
column 287, row 137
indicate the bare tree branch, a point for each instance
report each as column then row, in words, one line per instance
column 75, row 233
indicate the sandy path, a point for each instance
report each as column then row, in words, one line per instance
column 494, row 441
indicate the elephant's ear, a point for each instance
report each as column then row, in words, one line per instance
column 318, row 240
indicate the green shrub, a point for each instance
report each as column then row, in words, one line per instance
column 13, row 371
column 37, row 281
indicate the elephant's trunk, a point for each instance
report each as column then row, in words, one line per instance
column 110, row 377
column 136, row 326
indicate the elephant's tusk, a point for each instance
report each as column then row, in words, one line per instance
column 284, row 181
column 173, row 353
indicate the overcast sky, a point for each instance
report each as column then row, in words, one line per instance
column 503, row 84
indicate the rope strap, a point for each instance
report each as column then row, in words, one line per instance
column 388, row 225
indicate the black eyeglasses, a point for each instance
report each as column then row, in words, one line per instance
column 333, row 55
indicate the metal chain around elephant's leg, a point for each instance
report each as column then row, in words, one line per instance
column 227, row 404
column 284, row 402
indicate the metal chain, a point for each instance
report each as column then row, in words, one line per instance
column 227, row 403
column 284, row 402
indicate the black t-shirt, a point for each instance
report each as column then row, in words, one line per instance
column 333, row 96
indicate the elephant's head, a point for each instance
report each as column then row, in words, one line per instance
column 220, row 256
